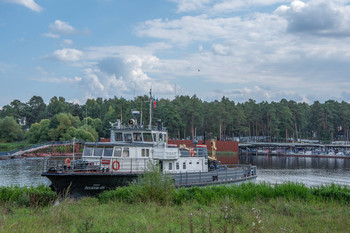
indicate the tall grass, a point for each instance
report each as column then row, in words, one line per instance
column 152, row 186
column 247, row 192
column 27, row 196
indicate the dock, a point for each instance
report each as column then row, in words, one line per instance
column 314, row 150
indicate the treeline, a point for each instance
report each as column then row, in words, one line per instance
column 184, row 117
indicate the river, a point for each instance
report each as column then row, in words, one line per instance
column 273, row 169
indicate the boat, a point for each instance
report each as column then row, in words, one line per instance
column 131, row 151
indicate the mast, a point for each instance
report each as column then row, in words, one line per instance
column 150, row 109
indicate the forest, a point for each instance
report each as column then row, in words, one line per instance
column 184, row 117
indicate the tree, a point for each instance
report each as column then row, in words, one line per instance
column 10, row 130
column 56, row 106
column 110, row 117
column 170, row 117
column 39, row 132
column 36, row 110
column 60, row 126
column 19, row 110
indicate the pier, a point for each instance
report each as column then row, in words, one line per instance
column 56, row 148
column 296, row 149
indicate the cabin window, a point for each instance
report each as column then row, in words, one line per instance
column 88, row 151
column 147, row 137
column 184, row 165
column 126, row 152
column 108, row 151
column 177, row 166
column 190, row 162
column 198, row 162
column 118, row 137
column 127, row 137
column 145, row 152
column 117, row 152
column 170, row 166
column 98, row 151
column 137, row 137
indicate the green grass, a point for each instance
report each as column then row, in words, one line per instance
column 153, row 205
column 13, row 145
column 90, row 215
column 17, row 196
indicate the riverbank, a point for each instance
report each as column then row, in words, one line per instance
column 8, row 146
column 245, row 208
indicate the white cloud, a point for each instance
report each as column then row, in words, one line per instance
column 68, row 54
column 31, row 4
column 212, row 7
column 62, row 27
column 190, row 28
column 325, row 18
column 190, row 5
column 67, row 42
column 124, row 76
column 59, row 28
column 65, row 80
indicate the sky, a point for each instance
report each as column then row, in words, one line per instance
column 265, row 50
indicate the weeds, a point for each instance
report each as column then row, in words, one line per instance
column 27, row 196
column 152, row 186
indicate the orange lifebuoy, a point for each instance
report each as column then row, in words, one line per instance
column 192, row 152
column 118, row 165
column 67, row 162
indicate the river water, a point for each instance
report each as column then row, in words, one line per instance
column 273, row 169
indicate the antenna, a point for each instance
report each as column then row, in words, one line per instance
column 150, row 109
column 86, row 116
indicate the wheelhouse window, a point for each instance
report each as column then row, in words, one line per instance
column 154, row 137
column 145, row 152
column 137, row 137
column 126, row 152
column 170, row 166
column 147, row 137
column 184, row 165
column 88, row 151
column 177, row 166
column 117, row 152
column 98, row 151
column 127, row 137
column 108, row 152
column 118, row 136
column 160, row 137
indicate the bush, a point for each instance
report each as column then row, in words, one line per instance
column 27, row 196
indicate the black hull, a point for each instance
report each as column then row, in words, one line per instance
column 75, row 184
column 87, row 184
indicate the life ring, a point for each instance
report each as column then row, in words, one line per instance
column 118, row 165
column 67, row 162
column 192, row 152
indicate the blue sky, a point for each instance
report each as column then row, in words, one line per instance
column 258, row 49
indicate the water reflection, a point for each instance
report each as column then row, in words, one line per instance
column 22, row 172
column 306, row 170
